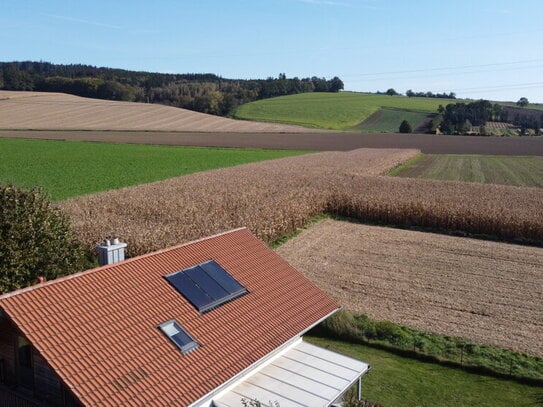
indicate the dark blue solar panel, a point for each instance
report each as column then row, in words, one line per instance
column 206, row 285
column 220, row 275
column 191, row 291
column 211, row 287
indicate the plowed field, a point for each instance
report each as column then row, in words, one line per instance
column 324, row 141
column 58, row 111
column 485, row 291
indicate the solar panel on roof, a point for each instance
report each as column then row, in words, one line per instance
column 206, row 285
column 212, row 288
column 220, row 275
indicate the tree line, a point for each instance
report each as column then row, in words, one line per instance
column 458, row 118
column 206, row 93
column 409, row 93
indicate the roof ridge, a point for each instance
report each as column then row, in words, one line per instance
column 107, row 266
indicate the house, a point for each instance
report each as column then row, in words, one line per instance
column 207, row 323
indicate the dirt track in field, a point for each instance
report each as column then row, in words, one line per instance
column 58, row 111
column 485, row 291
column 323, row 141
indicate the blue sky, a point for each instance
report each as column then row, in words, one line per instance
column 477, row 48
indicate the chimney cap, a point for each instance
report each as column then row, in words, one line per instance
column 111, row 251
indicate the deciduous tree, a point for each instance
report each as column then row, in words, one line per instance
column 35, row 240
column 391, row 92
column 335, row 85
column 522, row 102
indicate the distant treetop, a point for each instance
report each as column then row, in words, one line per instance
column 522, row 102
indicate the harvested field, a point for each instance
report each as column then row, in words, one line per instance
column 274, row 198
column 324, row 141
column 485, row 291
column 42, row 110
column 491, row 126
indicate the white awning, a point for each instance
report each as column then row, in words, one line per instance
column 306, row 375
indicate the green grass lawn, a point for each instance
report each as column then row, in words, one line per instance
column 388, row 120
column 335, row 111
column 519, row 171
column 395, row 381
column 70, row 168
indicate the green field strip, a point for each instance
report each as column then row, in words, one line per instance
column 70, row 168
column 390, row 119
column 506, row 170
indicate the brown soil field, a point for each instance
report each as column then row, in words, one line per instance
column 324, row 141
column 488, row 292
column 58, row 111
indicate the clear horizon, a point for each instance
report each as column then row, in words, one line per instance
column 484, row 49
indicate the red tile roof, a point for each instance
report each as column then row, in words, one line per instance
column 98, row 329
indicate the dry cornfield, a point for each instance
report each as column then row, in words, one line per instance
column 507, row 212
column 275, row 197
column 488, row 292
column 59, row 111
column 271, row 198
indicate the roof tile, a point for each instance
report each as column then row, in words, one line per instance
column 98, row 327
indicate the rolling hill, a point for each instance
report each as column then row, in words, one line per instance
column 337, row 111
column 58, row 111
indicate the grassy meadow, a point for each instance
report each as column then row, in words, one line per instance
column 334, row 111
column 506, row 170
column 403, row 382
column 70, row 168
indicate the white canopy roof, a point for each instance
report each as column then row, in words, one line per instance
column 306, row 375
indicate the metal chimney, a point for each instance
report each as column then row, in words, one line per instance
column 110, row 251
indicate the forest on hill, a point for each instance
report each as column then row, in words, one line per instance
column 206, row 93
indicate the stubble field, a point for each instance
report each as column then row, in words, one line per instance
column 58, row 111
column 485, row 291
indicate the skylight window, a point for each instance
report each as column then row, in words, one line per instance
column 206, row 286
column 178, row 336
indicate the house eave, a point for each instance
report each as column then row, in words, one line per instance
column 207, row 399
